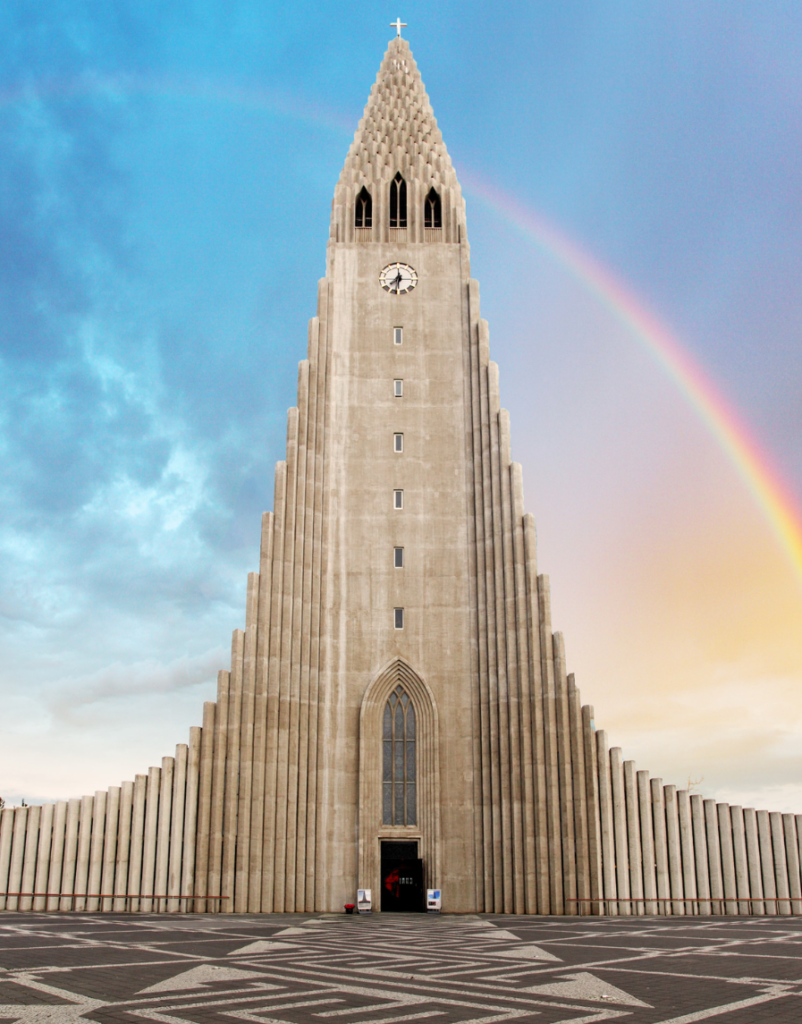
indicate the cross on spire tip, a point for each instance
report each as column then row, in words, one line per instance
column 398, row 24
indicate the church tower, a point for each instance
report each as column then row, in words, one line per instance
column 397, row 686
column 398, row 710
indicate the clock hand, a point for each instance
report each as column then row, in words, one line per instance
column 397, row 281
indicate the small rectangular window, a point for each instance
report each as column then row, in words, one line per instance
column 398, row 389
column 398, row 558
column 398, row 499
column 398, row 442
column 398, row 335
column 399, row 618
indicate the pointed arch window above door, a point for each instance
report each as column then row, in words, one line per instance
column 364, row 209
column 398, row 202
column 399, row 792
column 433, row 210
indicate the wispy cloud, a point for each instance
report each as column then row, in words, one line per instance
column 114, row 682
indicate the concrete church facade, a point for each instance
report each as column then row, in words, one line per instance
column 397, row 685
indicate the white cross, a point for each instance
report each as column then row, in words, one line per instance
column 398, row 24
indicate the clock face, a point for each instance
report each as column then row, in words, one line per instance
column 398, row 278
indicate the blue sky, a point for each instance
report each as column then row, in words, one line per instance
column 166, row 173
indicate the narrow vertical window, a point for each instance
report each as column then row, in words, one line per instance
column 398, row 558
column 398, row 202
column 364, row 209
column 399, row 796
column 398, row 389
column 398, row 335
column 398, row 499
column 432, row 210
column 398, row 618
column 398, row 442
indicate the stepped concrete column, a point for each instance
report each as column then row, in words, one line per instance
column 56, row 854
column 110, row 847
column 163, row 833
column 713, row 856
column 138, row 843
column 29, row 856
column 767, row 863
column 6, row 836
column 647, row 841
column 17, row 854
column 95, row 873
column 688, row 853
column 633, row 838
column 740, row 858
column 620, row 825
column 700, row 853
column 607, row 824
column 753, row 862
column 147, row 890
column 674, row 845
column 70, row 855
column 84, row 851
column 780, row 865
column 727, row 857
column 123, row 851
column 43, row 856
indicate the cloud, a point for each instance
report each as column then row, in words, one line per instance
column 115, row 682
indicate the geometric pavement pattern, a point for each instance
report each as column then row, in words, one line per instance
column 388, row 968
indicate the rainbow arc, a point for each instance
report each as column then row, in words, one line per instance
column 750, row 461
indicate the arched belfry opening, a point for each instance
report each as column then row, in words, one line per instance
column 398, row 202
column 363, row 213
column 433, row 210
column 399, row 783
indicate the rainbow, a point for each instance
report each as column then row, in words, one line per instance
column 749, row 460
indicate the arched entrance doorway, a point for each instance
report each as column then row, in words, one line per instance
column 399, row 789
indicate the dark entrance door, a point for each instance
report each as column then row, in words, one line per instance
column 402, row 878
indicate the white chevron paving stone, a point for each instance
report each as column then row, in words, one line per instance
column 294, row 930
column 263, row 946
column 44, row 1014
column 526, row 952
column 585, row 986
column 206, row 974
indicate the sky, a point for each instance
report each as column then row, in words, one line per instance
column 166, row 175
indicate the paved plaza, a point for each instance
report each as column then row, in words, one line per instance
column 382, row 969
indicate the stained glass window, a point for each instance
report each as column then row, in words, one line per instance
column 399, row 803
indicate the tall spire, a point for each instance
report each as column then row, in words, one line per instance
column 398, row 133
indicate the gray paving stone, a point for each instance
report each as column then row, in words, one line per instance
column 383, row 969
